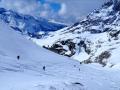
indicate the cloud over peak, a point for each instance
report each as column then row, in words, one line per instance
column 63, row 9
column 66, row 11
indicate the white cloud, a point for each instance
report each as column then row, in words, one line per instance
column 69, row 12
column 44, row 14
column 63, row 9
column 22, row 6
column 77, row 8
column 31, row 7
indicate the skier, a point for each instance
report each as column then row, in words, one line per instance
column 74, row 65
column 18, row 57
column 44, row 68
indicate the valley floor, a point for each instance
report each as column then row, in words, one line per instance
column 69, row 75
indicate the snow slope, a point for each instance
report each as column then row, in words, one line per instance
column 95, row 39
column 61, row 72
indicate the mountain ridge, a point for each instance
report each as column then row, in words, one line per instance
column 27, row 24
column 92, row 40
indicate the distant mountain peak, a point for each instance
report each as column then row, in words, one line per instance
column 27, row 24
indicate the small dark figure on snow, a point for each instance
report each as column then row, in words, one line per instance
column 18, row 57
column 80, row 62
column 74, row 65
column 44, row 68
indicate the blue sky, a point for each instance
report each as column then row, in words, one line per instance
column 66, row 11
column 42, row 1
column 54, row 5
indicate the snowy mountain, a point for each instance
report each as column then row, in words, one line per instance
column 95, row 39
column 60, row 73
column 34, row 27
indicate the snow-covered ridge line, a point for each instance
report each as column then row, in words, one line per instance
column 27, row 24
column 92, row 40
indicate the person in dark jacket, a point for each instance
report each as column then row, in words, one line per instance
column 18, row 57
column 44, row 68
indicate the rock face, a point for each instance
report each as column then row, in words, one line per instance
column 34, row 27
column 95, row 39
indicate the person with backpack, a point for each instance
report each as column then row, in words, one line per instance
column 18, row 57
column 44, row 68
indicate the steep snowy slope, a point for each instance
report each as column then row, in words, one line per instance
column 61, row 73
column 96, row 39
column 34, row 27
